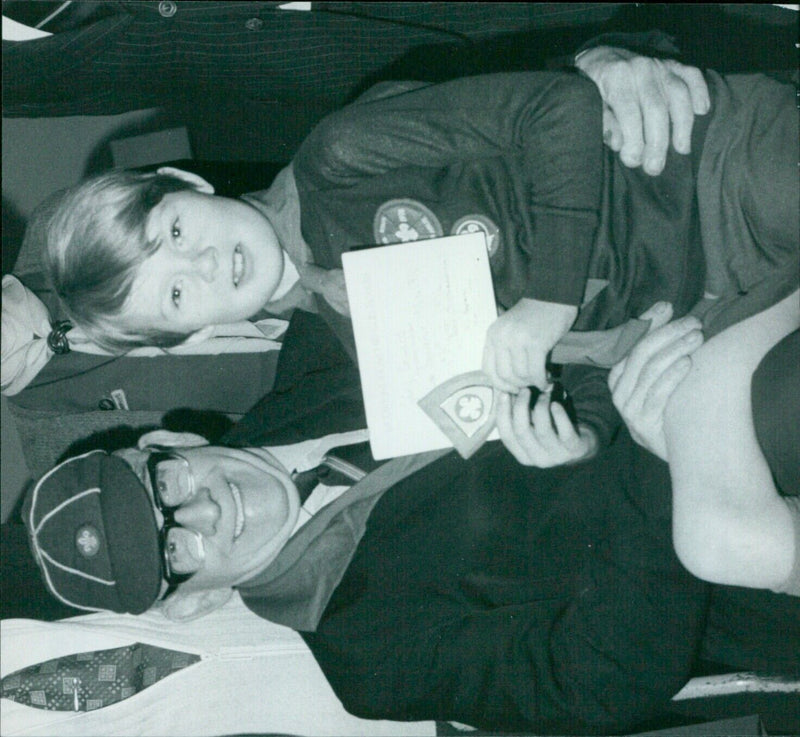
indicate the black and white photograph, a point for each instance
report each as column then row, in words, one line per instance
column 400, row 369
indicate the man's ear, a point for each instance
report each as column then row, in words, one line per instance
column 169, row 439
column 184, row 607
column 200, row 184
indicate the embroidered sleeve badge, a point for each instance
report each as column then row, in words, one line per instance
column 464, row 409
column 403, row 221
column 479, row 224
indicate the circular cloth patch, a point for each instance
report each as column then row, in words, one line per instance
column 403, row 221
column 479, row 224
column 87, row 540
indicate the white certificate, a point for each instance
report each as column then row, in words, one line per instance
column 420, row 312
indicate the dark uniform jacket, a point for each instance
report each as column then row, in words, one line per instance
column 520, row 158
column 507, row 597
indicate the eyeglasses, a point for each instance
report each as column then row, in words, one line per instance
column 173, row 484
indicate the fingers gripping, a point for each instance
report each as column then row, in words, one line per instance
column 663, row 386
column 695, row 85
column 516, row 425
column 659, row 375
column 541, row 436
column 649, row 75
column 659, row 315
column 645, row 101
column 622, row 97
column 563, row 425
column 642, row 386
column 653, row 353
column 680, row 113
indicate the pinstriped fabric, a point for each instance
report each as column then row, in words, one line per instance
column 138, row 57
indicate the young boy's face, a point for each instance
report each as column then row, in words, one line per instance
column 219, row 261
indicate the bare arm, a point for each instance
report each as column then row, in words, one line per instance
column 730, row 525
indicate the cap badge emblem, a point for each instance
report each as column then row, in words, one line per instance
column 87, row 540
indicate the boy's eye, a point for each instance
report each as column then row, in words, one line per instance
column 175, row 231
column 176, row 296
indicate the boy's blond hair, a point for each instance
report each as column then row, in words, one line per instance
column 93, row 239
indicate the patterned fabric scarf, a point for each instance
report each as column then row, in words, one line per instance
column 92, row 680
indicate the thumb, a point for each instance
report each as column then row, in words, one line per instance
column 612, row 133
column 659, row 315
column 537, row 375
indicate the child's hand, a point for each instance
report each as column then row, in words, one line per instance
column 517, row 343
column 327, row 282
column 531, row 437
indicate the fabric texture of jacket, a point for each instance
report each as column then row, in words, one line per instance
column 132, row 55
column 514, row 156
column 501, row 596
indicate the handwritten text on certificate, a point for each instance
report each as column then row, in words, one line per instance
column 420, row 313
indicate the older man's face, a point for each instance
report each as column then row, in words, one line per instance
column 242, row 508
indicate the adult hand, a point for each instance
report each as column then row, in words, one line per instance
column 642, row 383
column 641, row 98
column 517, row 343
column 327, row 282
column 533, row 438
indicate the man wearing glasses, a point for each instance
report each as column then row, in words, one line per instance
column 479, row 591
column 221, row 514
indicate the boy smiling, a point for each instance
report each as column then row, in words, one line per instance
column 151, row 259
column 132, row 270
column 217, row 260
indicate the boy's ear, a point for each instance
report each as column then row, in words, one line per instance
column 200, row 184
column 199, row 336
column 169, row 439
column 184, row 607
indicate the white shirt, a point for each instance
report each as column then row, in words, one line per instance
column 254, row 676
column 309, row 454
column 289, row 278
